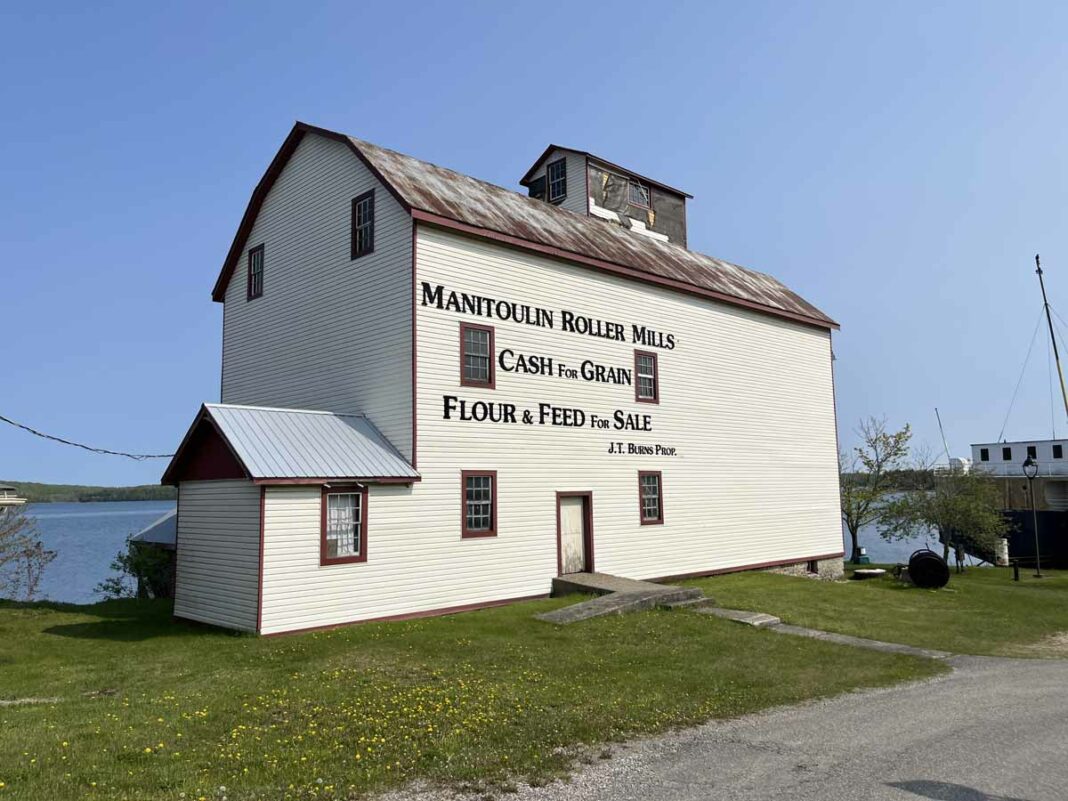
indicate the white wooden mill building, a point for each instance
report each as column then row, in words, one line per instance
column 438, row 394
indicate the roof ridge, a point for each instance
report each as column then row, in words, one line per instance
column 282, row 409
column 454, row 199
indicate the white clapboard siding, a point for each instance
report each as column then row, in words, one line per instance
column 218, row 553
column 415, row 562
column 576, row 198
column 745, row 398
column 329, row 332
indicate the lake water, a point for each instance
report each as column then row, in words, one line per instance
column 881, row 551
column 86, row 537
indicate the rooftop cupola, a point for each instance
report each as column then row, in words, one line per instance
column 587, row 184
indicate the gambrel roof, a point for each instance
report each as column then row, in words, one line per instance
column 446, row 198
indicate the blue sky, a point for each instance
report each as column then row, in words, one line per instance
column 896, row 164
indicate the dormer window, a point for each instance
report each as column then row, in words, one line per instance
column 638, row 194
column 557, row 175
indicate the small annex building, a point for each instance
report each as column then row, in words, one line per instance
column 439, row 394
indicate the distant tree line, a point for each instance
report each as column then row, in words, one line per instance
column 77, row 493
column 902, row 480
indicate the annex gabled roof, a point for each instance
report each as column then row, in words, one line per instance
column 529, row 175
column 162, row 532
column 450, row 199
column 283, row 446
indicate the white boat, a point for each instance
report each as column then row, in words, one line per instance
column 9, row 496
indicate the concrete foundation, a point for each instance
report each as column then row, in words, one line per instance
column 825, row 569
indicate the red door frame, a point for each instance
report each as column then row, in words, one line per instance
column 587, row 529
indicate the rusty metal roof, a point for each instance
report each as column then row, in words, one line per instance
column 446, row 197
column 445, row 193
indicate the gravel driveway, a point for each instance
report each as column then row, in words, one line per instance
column 993, row 730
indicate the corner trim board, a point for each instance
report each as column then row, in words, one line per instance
column 259, row 583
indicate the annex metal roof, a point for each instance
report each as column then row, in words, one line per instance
column 442, row 196
column 162, row 532
column 291, row 445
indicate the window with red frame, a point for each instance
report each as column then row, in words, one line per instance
column 344, row 525
column 479, row 503
column 651, row 497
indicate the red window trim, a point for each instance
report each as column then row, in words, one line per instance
column 656, row 377
column 659, row 498
column 356, row 201
column 248, row 271
column 466, row 533
column 492, row 383
column 332, row 489
column 549, row 183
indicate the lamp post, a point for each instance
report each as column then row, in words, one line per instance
column 1030, row 470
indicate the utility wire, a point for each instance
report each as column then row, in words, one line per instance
column 1023, row 369
column 137, row 457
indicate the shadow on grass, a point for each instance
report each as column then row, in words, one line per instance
column 125, row 620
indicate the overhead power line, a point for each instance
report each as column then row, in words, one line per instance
column 1023, row 370
column 137, row 457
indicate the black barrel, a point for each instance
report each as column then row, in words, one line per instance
column 928, row 570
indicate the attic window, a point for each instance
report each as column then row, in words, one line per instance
column 638, row 194
column 363, row 225
column 255, row 273
column 557, row 174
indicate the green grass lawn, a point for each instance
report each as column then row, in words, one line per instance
column 152, row 709
column 979, row 612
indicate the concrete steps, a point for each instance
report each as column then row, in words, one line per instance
column 758, row 620
column 616, row 596
column 688, row 603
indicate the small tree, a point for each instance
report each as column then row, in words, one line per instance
column 22, row 556
column 866, row 476
column 964, row 508
column 143, row 571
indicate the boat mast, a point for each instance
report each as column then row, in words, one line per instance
column 1052, row 338
column 945, row 445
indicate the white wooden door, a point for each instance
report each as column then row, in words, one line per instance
column 572, row 534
